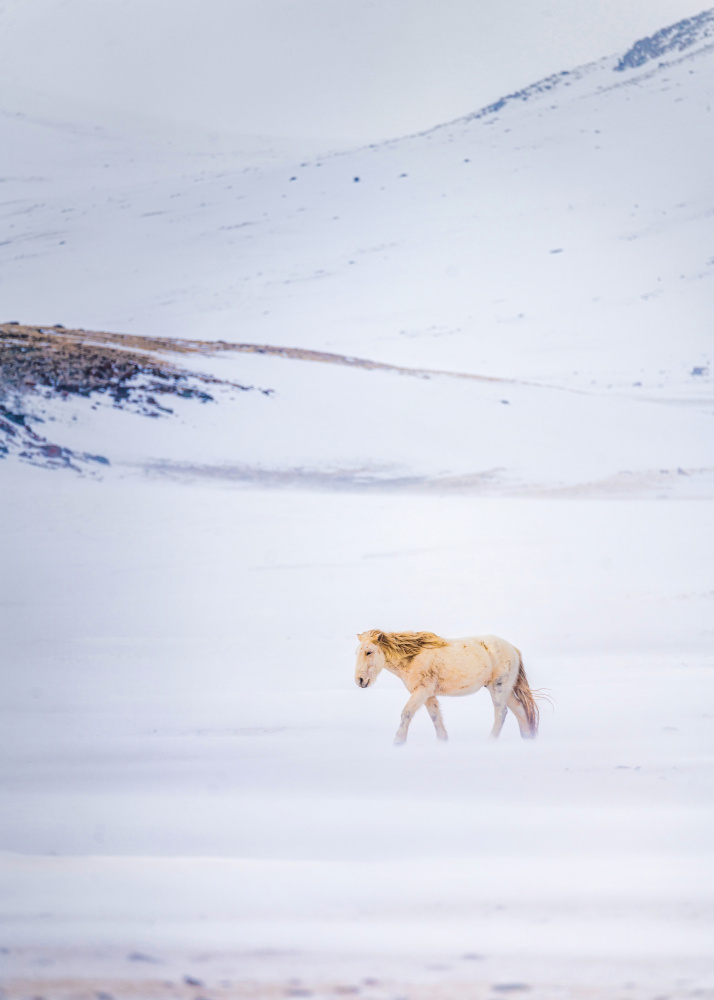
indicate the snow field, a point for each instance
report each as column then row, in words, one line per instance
column 186, row 737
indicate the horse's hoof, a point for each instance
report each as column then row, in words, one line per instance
column 399, row 743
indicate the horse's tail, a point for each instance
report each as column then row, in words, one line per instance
column 526, row 697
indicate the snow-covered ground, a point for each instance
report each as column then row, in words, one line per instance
column 192, row 785
column 189, row 772
column 311, row 421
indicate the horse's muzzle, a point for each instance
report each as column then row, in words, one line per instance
column 363, row 682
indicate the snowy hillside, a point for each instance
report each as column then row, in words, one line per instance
column 486, row 349
column 574, row 218
column 561, row 236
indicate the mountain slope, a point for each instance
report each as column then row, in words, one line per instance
column 446, row 246
column 561, row 236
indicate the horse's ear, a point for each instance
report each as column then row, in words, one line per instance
column 380, row 638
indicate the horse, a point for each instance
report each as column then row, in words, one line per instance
column 429, row 665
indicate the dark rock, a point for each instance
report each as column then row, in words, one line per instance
column 676, row 38
column 60, row 363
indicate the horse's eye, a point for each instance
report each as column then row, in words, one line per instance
column 369, row 653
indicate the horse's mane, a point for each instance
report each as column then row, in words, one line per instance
column 404, row 645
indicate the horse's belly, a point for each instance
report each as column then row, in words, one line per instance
column 464, row 680
column 468, row 689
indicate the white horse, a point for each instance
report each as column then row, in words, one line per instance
column 429, row 665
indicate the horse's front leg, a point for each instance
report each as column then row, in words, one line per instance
column 432, row 707
column 417, row 699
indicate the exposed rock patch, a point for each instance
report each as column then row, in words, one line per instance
column 124, row 371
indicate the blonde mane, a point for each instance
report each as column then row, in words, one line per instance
column 404, row 645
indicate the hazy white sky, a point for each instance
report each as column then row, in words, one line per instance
column 347, row 71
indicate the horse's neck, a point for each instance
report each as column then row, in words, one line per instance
column 398, row 667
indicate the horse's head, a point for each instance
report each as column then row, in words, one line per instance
column 370, row 659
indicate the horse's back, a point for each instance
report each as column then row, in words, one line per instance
column 492, row 645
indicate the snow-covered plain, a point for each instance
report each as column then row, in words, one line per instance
column 189, row 772
column 192, row 786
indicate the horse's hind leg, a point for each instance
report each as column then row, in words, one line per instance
column 520, row 713
column 499, row 695
column 432, row 707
